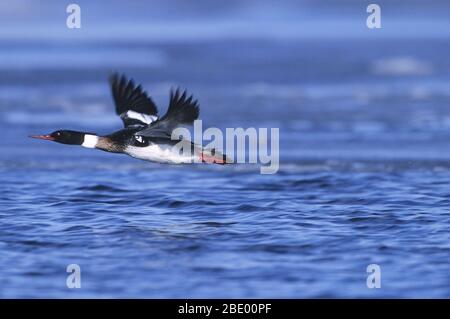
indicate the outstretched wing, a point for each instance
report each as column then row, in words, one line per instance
column 182, row 110
column 133, row 105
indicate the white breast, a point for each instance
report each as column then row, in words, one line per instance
column 159, row 154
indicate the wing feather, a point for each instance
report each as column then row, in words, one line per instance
column 133, row 105
column 182, row 110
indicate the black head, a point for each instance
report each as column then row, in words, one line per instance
column 63, row 136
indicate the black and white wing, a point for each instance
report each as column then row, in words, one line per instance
column 182, row 110
column 133, row 105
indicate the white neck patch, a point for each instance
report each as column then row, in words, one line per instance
column 90, row 141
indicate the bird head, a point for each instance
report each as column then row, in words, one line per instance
column 63, row 137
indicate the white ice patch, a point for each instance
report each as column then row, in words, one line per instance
column 402, row 66
column 145, row 118
column 90, row 141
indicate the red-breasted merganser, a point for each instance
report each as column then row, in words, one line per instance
column 145, row 136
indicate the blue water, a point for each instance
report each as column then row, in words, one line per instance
column 363, row 179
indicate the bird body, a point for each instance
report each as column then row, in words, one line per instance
column 145, row 136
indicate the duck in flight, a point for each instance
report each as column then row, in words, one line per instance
column 145, row 135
